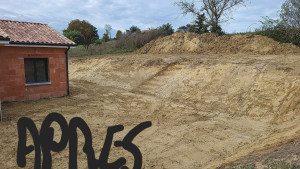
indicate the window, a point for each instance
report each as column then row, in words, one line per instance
column 36, row 70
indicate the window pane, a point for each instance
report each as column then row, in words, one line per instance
column 41, row 70
column 36, row 70
column 29, row 70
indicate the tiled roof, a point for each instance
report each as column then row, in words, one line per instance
column 3, row 34
column 32, row 33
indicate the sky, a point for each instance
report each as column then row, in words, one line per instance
column 122, row 14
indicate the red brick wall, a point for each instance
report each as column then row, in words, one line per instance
column 12, row 73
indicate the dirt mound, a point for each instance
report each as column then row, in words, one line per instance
column 179, row 43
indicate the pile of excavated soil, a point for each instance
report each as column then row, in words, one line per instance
column 180, row 43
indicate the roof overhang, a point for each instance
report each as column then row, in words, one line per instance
column 4, row 40
column 41, row 45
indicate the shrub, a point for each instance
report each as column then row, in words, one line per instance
column 75, row 36
column 98, row 41
column 282, row 34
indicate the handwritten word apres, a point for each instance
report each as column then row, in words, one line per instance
column 44, row 143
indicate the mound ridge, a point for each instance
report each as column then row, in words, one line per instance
column 208, row 43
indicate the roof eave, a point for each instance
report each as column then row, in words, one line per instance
column 42, row 44
column 4, row 40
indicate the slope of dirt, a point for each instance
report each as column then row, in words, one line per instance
column 180, row 43
column 206, row 110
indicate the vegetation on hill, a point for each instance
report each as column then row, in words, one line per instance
column 286, row 29
column 127, row 42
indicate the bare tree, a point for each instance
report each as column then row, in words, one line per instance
column 108, row 28
column 214, row 9
column 290, row 13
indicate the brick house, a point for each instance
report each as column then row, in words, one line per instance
column 33, row 61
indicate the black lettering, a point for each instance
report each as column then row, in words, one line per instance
column 132, row 148
column 73, row 143
column 23, row 124
column 45, row 142
column 47, row 135
column 103, row 159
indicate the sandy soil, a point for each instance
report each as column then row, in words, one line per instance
column 288, row 153
column 208, row 43
column 206, row 110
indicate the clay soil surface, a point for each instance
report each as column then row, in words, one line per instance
column 206, row 110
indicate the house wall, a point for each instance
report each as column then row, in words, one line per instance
column 12, row 73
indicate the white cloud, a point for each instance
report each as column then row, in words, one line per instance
column 91, row 3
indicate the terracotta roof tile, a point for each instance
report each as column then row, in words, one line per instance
column 3, row 34
column 35, row 33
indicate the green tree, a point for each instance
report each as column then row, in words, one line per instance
column 75, row 36
column 119, row 34
column 133, row 29
column 88, row 31
column 217, row 29
column 105, row 37
column 167, row 28
column 214, row 9
column 199, row 25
